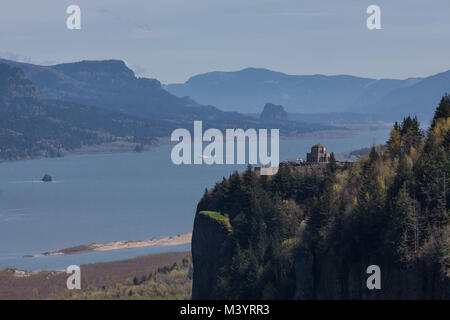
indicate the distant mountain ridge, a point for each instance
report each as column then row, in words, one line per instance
column 50, row 110
column 111, row 85
column 245, row 90
column 108, row 84
column 32, row 126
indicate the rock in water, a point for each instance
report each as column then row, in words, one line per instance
column 47, row 178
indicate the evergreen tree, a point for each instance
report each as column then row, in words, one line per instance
column 394, row 143
column 411, row 134
column 402, row 227
column 282, row 182
column 442, row 111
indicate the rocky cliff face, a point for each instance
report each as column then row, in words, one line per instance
column 17, row 93
column 329, row 277
column 209, row 252
column 273, row 112
column 108, row 72
column 13, row 83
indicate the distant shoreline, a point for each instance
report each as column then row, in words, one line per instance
column 120, row 147
column 117, row 245
column 96, row 149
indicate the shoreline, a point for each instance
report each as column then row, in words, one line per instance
column 107, row 148
column 121, row 147
column 117, row 245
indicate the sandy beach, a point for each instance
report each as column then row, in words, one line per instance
column 167, row 241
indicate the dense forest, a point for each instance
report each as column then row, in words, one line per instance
column 310, row 232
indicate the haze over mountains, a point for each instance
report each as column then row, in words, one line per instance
column 112, row 85
column 246, row 90
column 49, row 110
column 32, row 126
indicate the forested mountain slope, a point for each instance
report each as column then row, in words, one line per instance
column 31, row 126
column 311, row 232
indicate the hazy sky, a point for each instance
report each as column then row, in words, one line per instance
column 172, row 40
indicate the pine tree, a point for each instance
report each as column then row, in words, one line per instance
column 394, row 143
column 402, row 228
column 282, row 182
column 432, row 170
column 442, row 111
column 331, row 166
column 411, row 134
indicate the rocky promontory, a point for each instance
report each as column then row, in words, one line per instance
column 209, row 251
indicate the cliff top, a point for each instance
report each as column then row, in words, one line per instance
column 217, row 216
